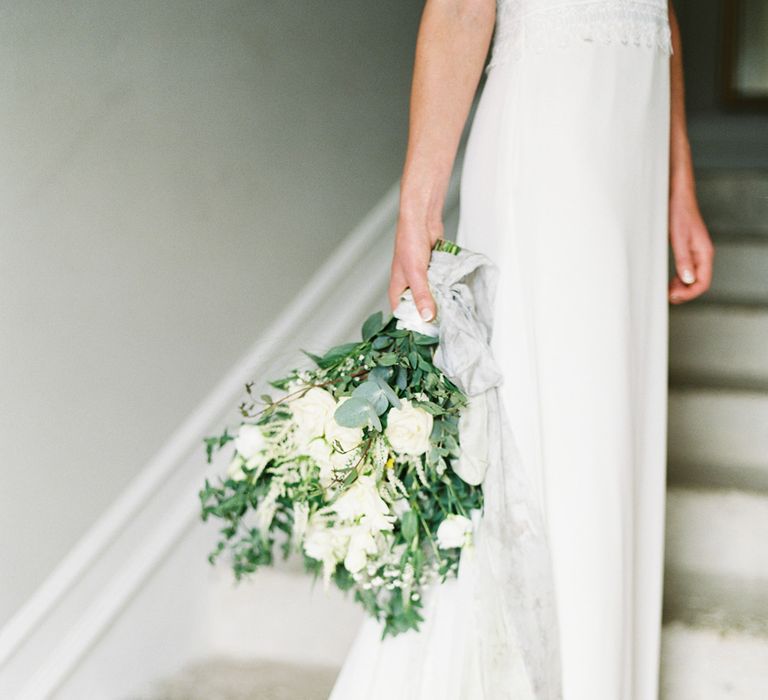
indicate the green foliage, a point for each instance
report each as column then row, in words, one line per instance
column 376, row 373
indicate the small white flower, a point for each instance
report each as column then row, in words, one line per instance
column 454, row 531
column 250, row 443
column 300, row 522
column 235, row 469
column 408, row 429
column 311, row 412
column 320, row 452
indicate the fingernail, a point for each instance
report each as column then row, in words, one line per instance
column 426, row 314
column 688, row 277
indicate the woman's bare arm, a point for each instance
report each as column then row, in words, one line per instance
column 691, row 244
column 452, row 44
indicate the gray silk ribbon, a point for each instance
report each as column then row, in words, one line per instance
column 516, row 640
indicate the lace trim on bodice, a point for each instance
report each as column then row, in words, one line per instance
column 538, row 24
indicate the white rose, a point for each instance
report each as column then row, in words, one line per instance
column 311, row 412
column 361, row 544
column 324, row 543
column 348, row 438
column 408, row 429
column 362, row 500
column 250, row 443
column 408, row 316
column 454, row 531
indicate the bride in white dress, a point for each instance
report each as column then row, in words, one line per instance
column 576, row 175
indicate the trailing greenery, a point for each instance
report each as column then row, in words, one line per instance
column 337, row 467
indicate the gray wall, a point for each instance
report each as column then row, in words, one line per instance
column 720, row 137
column 171, row 174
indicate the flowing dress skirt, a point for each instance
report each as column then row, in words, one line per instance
column 564, row 186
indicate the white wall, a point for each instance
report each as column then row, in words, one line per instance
column 170, row 173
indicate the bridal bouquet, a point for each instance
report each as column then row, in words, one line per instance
column 350, row 466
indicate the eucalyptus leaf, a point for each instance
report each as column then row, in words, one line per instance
column 387, row 390
column 372, row 392
column 353, row 413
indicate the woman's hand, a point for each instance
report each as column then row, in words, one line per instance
column 451, row 48
column 692, row 249
column 413, row 248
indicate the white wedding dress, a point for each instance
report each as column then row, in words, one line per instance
column 564, row 187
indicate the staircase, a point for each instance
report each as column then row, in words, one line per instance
column 716, row 584
column 715, row 638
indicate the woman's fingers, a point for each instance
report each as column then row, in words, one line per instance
column 417, row 281
column 692, row 250
column 415, row 278
column 684, row 263
column 695, row 255
column 413, row 249
column 397, row 284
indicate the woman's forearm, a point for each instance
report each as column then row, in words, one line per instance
column 688, row 235
column 680, row 163
column 452, row 44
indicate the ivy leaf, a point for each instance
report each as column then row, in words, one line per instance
column 422, row 339
column 381, row 342
column 388, row 359
column 339, row 352
column 315, row 358
column 373, row 324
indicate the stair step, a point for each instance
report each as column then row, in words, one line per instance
column 716, row 572
column 719, row 343
column 718, row 531
column 719, row 602
column 222, row 678
column 251, row 618
column 718, row 437
column 699, row 663
column 734, row 200
column 739, row 272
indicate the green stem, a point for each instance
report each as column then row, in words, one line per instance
column 455, row 498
